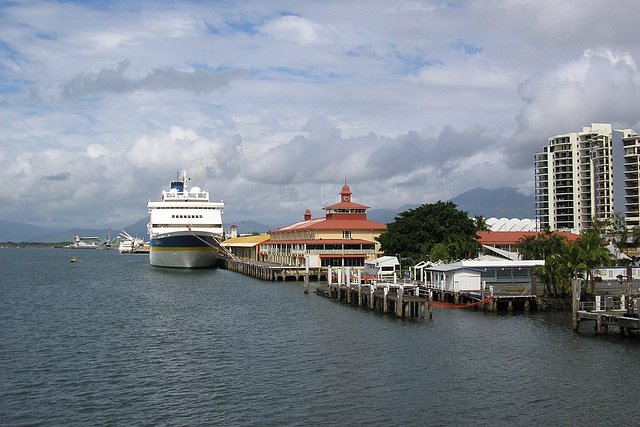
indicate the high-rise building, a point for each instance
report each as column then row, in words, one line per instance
column 631, row 144
column 587, row 175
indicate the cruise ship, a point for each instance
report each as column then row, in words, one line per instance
column 185, row 228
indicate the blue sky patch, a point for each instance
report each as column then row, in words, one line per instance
column 467, row 48
column 243, row 26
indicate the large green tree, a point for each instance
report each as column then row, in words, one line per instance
column 567, row 260
column 415, row 233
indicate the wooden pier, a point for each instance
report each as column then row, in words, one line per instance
column 415, row 299
column 404, row 298
column 613, row 313
column 611, row 322
column 409, row 299
column 271, row 272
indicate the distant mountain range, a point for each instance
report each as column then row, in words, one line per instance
column 504, row 202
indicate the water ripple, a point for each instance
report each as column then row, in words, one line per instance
column 112, row 341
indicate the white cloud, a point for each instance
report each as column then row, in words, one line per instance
column 96, row 150
column 271, row 106
column 601, row 86
column 297, row 30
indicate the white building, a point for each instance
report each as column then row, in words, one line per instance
column 468, row 275
column 383, row 266
column 631, row 143
column 575, row 176
column 511, row 224
column 455, row 278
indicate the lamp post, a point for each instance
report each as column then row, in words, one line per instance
column 414, row 263
column 628, row 300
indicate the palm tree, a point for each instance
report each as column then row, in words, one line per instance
column 481, row 223
column 545, row 274
column 594, row 254
column 551, row 243
column 539, row 246
column 527, row 247
column 550, row 274
column 566, row 263
column 574, row 262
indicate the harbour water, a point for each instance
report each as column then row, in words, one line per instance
column 110, row 340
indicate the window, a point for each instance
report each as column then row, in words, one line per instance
column 331, row 262
column 346, row 234
column 354, row 262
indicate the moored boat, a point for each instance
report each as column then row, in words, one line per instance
column 184, row 228
column 132, row 245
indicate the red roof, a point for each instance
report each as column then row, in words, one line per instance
column 347, row 205
column 511, row 237
column 319, row 242
column 345, row 215
column 333, row 224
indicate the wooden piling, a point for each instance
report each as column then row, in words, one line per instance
column 399, row 303
column 372, row 301
column 306, row 275
column 575, row 302
column 385, row 299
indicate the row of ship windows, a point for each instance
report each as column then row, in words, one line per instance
column 186, row 216
column 187, row 207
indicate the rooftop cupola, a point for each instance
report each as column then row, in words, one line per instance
column 307, row 215
column 345, row 194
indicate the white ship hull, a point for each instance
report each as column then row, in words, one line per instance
column 184, row 250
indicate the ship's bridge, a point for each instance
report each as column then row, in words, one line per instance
column 193, row 194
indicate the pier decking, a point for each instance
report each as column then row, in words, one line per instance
column 270, row 271
column 609, row 318
column 410, row 298
column 613, row 312
column 405, row 298
column 611, row 322
column 413, row 299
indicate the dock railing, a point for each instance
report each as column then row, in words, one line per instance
column 604, row 304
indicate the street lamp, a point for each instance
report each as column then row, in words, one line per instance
column 412, row 261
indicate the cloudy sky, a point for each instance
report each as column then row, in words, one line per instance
column 271, row 105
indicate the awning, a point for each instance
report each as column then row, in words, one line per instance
column 342, row 255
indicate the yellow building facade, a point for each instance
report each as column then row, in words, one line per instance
column 344, row 237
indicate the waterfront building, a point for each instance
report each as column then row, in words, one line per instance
column 586, row 176
column 344, row 237
column 612, row 275
column 472, row 275
column 245, row 247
